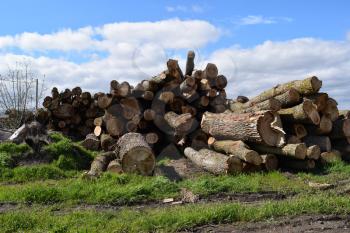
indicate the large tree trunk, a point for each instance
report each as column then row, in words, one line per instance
column 297, row 151
column 260, row 127
column 135, row 154
column 304, row 113
column 236, row 148
column 214, row 162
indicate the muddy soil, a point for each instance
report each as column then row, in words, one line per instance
column 310, row 224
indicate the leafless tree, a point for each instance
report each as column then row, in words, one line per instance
column 18, row 92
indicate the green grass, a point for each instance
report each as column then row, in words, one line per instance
column 168, row 219
column 11, row 152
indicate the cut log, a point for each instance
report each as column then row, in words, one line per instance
column 322, row 141
column 214, row 162
column 97, row 131
column 331, row 109
column 91, row 142
column 236, row 148
column 319, row 99
column 313, row 152
column 152, row 138
column 341, row 129
column 270, row 104
column 104, row 101
column 304, row 112
column 149, row 114
column 174, row 70
column 259, row 127
column 307, row 86
column 115, row 167
column 292, row 139
column 135, row 154
column 270, row 162
column 115, row 126
column 297, row 151
column 331, row 156
column 220, row 82
column 289, row 98
column 64, row 111
column 108, row 143
column 325, row 127
column 166, row 97
column 98, row 121
column 100, row 163
column 211, row 71
column 190, row 63
column 181, row 124
column 242, row 99
column 307, row 164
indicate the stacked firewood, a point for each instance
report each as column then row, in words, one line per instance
column 71, row 112
column 292, row 125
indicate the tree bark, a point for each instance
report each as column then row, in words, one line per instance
column 115, row 167
column 108, row 143
column 270, row 162
column 324, row 128
column 259, row 127
column 297, row 151
column 304, row 113
column 214, row 162
column 100, row 163
column 91, row 142
column 341, row 129
column 236, row 148
column 289, row 98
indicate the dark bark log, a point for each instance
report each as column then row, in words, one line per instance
column 190, row 63
column 91, row 142
column 269, row 162
column 108, row 143
column 306, row 165
column 341, row 129
column 322, row 141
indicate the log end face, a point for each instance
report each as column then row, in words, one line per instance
column 300, row 151
column 140, row 160
column 316, row 84
column 270, row 129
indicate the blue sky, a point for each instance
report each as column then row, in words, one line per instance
column 255, row 43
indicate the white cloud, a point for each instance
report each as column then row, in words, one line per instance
column 135, row 51
column 184, row 9
column 259, row 19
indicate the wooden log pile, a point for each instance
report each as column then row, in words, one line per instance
column 291, row 125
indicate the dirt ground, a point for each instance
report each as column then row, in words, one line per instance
column 309, row 224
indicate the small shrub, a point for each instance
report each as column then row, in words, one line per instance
column 11, row 152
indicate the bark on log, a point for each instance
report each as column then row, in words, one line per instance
column 100, row 163
column 91, row 142
column 313, row 152
column 221, row 82
column 270, row 162
column 289, row 98
column 324, row 128
column 319, row 99
column 236, row 148
column 341, row 129
column 214, row 162
column 115, row 167
column 260, row 127
column 190, row 63
column 331, row 109
column 270, row 104
column 104, row 101
column 108, row 143
column 322, row 141
column 304, row 87
column 135, row 154
column 304, row 112
column 297, row 151
column 181, row 124
column 331, row 156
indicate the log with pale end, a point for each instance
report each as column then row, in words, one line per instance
column 305, row 112
column 135, row 154
column 115, row 167
column 313, row 152
column 237, row 148
column 260, row 127
column 297, row 151
column 214, row 162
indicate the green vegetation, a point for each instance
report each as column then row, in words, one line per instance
column 11, row 152
column 167, row 219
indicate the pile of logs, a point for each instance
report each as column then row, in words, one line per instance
column 291, row 125
column 71, row 112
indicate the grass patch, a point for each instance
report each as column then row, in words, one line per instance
column 167, row 219
column 68, row 155
column 10, row 153
column 34, row 173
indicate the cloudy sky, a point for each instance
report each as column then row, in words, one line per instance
column 256, row 44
